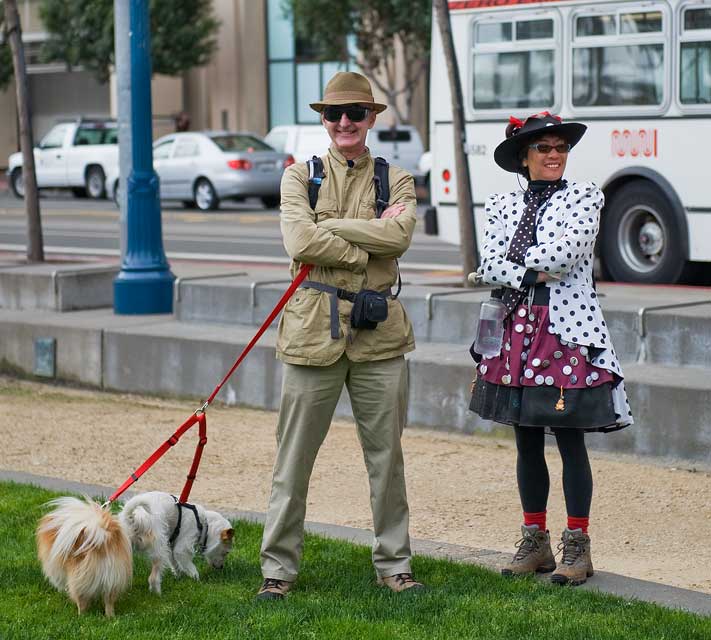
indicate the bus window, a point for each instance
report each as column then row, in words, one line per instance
column 695, row 57
column 608, row 74
column 513, row 65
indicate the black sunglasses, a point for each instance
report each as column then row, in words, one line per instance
column 541, row 147
column 355, row 112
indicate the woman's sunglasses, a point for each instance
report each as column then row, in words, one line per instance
column 541, row 147
column 355, row 112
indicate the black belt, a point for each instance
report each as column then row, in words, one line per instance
column 541, row 294
column 333, row 294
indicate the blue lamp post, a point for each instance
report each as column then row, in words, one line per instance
column 145, row 282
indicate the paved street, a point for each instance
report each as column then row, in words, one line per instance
column 241, row 232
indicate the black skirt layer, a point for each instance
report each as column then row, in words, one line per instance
column 587, row 409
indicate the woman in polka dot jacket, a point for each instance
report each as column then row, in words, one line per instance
column 557, row 371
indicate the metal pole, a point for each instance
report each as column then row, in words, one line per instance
column 145, row 282
column 122, row 47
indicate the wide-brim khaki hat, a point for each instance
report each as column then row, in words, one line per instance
column 347, row 87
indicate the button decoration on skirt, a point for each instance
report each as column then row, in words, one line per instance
column 531, row 317
column 540, row 358
column 521, row 313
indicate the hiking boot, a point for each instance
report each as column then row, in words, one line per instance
column 274, row 589
column 533, row 553
column 575, row 567
column 400, row 582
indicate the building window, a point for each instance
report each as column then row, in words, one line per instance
column 607, row 73
column 695, row 56
column 514, row 64
column 296, row 76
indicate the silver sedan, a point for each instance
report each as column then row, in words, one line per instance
column 200, row 169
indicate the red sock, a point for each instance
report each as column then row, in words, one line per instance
column 539, row 518
column 578, row 523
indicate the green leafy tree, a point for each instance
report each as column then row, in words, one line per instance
column 383, row 30
column 81, row 34
column 5, row 55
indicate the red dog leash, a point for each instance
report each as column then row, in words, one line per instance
column 199, row 415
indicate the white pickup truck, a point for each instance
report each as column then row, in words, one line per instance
column 74, row 155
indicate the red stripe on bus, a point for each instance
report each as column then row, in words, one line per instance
column 655, row 143
column 455, row 5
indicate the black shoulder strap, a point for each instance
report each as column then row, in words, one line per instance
column 316, row 174
column 381, row 178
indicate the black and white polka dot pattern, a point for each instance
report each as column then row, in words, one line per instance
column 566, row 229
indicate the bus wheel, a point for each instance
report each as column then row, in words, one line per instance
column 641, row 239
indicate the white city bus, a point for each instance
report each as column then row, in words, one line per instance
column 637, row 73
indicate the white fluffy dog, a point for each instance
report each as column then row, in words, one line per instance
column 170, row 533
column 85, row 551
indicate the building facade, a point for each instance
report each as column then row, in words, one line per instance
column 261, row 76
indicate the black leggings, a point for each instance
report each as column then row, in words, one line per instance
column 532, row 471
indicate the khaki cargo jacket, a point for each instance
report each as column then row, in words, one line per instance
column 350, row 248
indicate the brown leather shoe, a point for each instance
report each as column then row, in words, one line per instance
column 274, row 589
column 575, row 567
column 533, row 553
column 400, row 582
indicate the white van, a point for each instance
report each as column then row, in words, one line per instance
column 303, row 141
column 400, row 145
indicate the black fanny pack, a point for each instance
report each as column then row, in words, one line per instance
column 369, row 308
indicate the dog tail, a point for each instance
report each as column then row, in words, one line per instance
column 138, row 518
column 78, row 527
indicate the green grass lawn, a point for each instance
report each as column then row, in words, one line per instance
column 336, row 598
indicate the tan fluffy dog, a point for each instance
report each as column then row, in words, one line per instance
column 85, row 551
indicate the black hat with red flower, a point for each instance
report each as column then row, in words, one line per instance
column 521, row 133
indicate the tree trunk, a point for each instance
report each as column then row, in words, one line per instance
column 13, row 32
column 467, row 232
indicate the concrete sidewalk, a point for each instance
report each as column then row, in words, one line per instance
column 611, row 583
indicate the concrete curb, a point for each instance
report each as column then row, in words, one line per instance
column 604, row 582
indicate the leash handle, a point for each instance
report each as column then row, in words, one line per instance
column 300, row 277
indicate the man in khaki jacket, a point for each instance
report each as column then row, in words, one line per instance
column 350, row 249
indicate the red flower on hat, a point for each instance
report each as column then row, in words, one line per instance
column 543, row 114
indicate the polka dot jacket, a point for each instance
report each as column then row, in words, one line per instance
column 566, row 230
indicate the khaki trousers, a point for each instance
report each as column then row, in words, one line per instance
column 378, row 394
